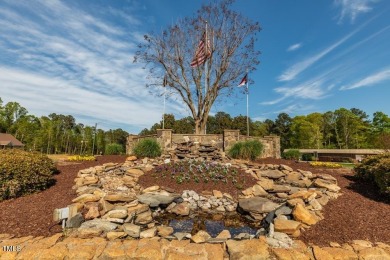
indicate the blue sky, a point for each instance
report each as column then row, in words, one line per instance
column 75, row 57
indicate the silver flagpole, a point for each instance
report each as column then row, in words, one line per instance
column 165, row 91
column 205, row 80
column 247, row 106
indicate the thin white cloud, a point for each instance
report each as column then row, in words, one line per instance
column 308, row 90
column 294, row 47
column 299, row 67
column 47, row 94
column 79, row 63
column 370, row 80
column 353, row 8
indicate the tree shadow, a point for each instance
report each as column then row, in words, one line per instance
column 367, row 189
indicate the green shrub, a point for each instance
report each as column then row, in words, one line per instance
column 292, row 154
column 376, row 169
column 114, row 149
column 248, row 150
column 147, row 148
column 24, row 172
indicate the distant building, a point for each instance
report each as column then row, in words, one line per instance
column 339, row 155
column 9, row 141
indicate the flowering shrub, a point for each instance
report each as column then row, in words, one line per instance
column 24, row 172
column 326, row 165
column 196, row 171
column 79, row 158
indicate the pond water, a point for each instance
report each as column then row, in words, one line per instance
column 212, row 224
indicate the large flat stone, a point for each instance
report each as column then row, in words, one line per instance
column 248, row 249
column 257, row 205
column 99, row 224
column 272, row 174
column 303, row 215
column 286, row 226
column 154, row 200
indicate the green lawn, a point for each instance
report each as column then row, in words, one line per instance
column 347, row 165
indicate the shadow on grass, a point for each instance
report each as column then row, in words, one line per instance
column 367, row 189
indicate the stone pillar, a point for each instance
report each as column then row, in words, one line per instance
column 164, row 138
column 130, row 144
column 230, row 137
column 275, row 141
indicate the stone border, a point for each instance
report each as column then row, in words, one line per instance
column 112, row 204
column 57, row 247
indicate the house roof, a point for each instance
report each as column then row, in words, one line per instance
column 9, row 140
column 341, row 151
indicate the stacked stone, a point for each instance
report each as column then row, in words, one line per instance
column 287, row 201
column 111, row 203
column 191, row 150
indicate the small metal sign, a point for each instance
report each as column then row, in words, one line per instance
column 60, row 214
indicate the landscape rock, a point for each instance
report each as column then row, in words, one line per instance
column 225, row 234
column 164, row 231
column 200, row 237
column 118, row 197
column 181, row 209
column 154, row 200
column 257, row 205
column 151, row 232
column 116, row 213
column 86, row 198
column 258, row 190
column 75, row 221
column 248, row 249
column 115, row 235
column 326, row 184
column 286, row 226
column 272, row 174
column 144, row 218
column 103, row 225
column 89, row 232
column 132, row 230
column 301, row 214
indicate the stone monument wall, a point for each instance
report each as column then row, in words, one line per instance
column 224, row 141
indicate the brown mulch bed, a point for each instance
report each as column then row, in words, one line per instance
column 360, row 213
column 33, row 214
column 243, row 181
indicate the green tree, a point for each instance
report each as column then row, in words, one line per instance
column 240, row 123
column 303, row 133
column 231, row 52
column 184, row 126
column 281, row 128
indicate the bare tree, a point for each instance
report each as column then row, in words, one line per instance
column 232, row 54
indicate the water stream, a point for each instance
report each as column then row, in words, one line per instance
column 212, row 224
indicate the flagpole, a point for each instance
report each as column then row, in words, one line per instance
column 165, row 91
column 247, row 107
column 205, row 80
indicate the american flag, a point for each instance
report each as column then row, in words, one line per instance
column 202, row 52
column 243, row 81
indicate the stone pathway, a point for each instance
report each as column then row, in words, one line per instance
column 58, row 247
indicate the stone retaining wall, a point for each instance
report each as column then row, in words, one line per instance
column 59, row 247
column 224, row 141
